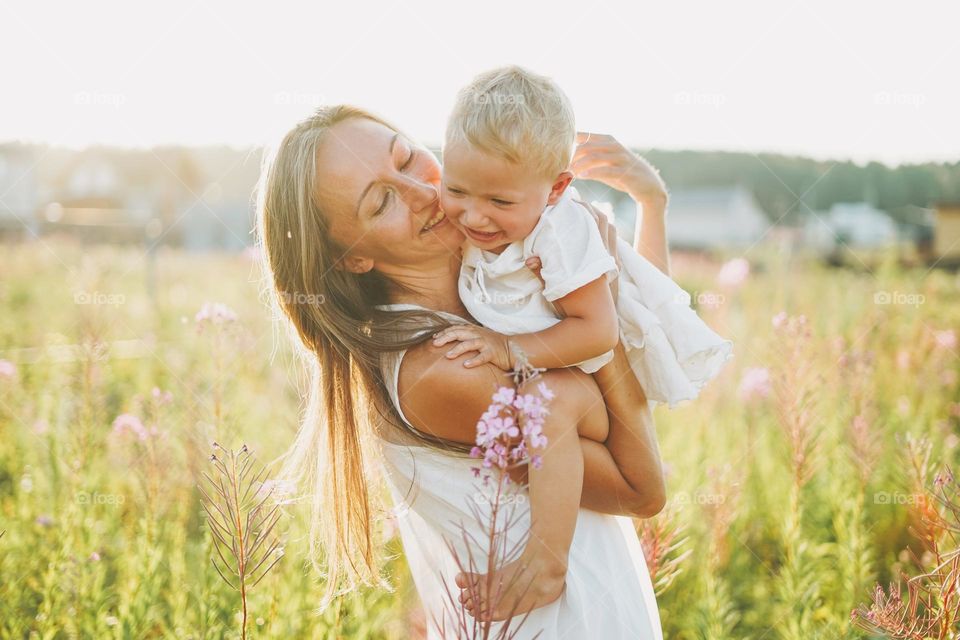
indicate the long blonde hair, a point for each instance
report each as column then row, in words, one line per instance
column 341, row 333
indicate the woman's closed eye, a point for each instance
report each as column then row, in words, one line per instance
column 386, row 196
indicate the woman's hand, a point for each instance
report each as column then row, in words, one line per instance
column 600, row 157
column 490, row 346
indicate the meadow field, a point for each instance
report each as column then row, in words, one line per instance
column 806, row 474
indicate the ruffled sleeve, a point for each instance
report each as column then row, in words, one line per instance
column 672, row 351
column 570, row 248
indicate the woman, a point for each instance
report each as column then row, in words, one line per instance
column 365, row 268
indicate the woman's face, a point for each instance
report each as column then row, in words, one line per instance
column 380, row 193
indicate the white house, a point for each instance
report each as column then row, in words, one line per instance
column 858, row 225
column 698, row 218
column 18, row 191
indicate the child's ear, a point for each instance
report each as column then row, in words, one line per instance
column 354, row 264
column 560, row 185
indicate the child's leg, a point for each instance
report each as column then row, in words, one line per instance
column 537, row 577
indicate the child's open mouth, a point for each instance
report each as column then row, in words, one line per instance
column 480, row 236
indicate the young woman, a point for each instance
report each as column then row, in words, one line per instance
column 365, row 266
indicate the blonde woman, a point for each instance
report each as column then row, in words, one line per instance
column 364, row 266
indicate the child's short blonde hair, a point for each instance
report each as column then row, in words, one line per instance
column 518, row 115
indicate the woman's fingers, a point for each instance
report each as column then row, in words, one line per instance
column 592, row 160
column 534, row 264
column 597, row 139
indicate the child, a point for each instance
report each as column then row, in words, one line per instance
column 506, row 181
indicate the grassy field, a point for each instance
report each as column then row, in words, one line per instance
column 794, row 481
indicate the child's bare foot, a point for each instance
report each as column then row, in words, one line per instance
column 514, row 589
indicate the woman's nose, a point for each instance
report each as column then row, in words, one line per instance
column 419, row 195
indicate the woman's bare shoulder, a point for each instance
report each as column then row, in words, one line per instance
column 440, row 396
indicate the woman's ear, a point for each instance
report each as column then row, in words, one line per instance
column 560, row 185
column 355, row 264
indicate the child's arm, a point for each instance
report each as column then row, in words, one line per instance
column 537, row 577
column 589, row 328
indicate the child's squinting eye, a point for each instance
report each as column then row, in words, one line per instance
column 501, row 202
column 454, row 191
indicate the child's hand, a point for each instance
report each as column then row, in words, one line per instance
column 512, row 590
column 490, row 346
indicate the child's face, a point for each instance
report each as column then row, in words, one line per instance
column 493, row 201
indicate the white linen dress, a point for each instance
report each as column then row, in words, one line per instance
column 608, row 593
column 671, row 350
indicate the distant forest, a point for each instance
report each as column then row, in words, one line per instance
column 772, row 177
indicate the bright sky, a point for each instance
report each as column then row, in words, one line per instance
column 840, row 79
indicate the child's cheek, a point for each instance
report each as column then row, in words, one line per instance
column 452, row 210
column 449, row 207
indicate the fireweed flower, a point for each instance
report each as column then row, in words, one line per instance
column 127, row 422
column 733, row 273
column 510, row 431
column 214, row 313
column 8, row 370
column 946, row 339
column 755, row 384
column 161, row 397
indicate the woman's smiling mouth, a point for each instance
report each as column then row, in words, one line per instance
column 438, row 218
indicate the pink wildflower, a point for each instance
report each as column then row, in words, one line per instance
column 946, row 339
column 215, row 313
column 8, row 370
column 129, row 422
column 733, row 273
column 754, row 384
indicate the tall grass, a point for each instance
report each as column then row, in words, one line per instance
column 795, row 480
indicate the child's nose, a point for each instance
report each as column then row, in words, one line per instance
column 472, row 218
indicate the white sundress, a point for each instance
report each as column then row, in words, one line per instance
column 671, row 350
column 608, row 591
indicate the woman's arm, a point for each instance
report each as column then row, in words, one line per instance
column 632, row 442
column 445, row 399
